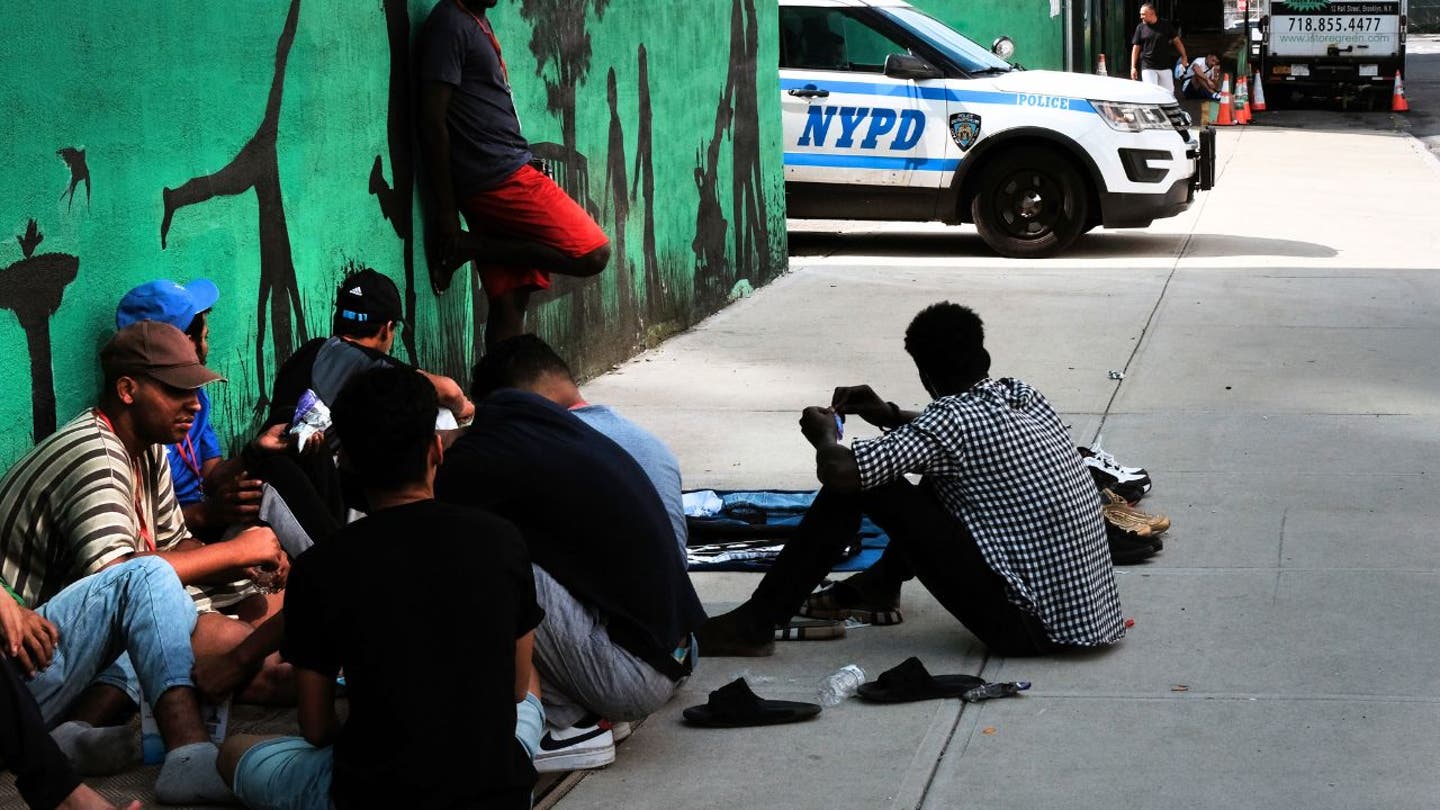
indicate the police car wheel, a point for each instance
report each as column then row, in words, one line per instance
column 1030, row 204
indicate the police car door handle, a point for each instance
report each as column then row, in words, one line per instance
column 808, row 92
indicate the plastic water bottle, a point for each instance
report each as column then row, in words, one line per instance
column 840, row 684
column 994, row 690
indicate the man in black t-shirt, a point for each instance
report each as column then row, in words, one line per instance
column 1153, row 48
column 619, row 605
column 444, row 706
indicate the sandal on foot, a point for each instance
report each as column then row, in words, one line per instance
column 828, row 604
column 811, row 630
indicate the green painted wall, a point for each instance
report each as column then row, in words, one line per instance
column 1039, row 37
column 168, row 93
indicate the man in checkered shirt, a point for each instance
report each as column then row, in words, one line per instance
column 1004, row 528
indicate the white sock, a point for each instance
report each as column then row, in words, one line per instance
column 189, row 776
column 97, row 751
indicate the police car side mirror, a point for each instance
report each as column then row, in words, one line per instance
column 905, row 66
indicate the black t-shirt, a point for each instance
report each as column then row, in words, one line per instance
column 323, row 365
column 589, row 515
column 421, row 605
column 1156, row 52
column 458, row 47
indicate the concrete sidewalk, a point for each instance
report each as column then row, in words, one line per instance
column 1280, row 348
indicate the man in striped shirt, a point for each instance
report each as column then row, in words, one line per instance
column 98, row 492
column 1004, row 529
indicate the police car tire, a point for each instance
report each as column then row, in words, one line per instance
column 1003, row 190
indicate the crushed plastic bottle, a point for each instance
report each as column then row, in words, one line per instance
column 994, row 690
column 839, row 685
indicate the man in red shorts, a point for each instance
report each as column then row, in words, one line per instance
column 523, row 227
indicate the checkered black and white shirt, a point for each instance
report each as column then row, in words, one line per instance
column 1001, row 461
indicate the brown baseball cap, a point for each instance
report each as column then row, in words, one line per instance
column 156, row 350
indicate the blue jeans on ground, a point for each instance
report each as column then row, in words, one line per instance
column 288, row 773
column 137, row 612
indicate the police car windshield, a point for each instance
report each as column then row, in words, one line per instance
column 968, row 55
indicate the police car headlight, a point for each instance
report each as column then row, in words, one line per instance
column 1132, row 117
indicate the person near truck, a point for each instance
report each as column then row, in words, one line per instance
column 1153, row 49
column 1202, row 79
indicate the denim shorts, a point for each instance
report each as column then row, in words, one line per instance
column 285, row 774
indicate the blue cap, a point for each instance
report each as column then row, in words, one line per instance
column 166, row 302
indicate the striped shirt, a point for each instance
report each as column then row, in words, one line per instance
column 1001, row 461
column 73, row 505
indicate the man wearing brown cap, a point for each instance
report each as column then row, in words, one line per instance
column 97, row 495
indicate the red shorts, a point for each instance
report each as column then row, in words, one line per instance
column 528, row 205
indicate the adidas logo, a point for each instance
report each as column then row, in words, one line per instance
column 356, row 291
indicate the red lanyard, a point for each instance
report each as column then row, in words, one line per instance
column 139, row 494
column 489, row 32
column 186, row 450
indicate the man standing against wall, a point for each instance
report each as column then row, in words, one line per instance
column 523, row 226
column 1153, row 49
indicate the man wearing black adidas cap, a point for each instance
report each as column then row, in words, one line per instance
column 368, row 315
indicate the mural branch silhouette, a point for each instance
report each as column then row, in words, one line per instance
column 257, row 168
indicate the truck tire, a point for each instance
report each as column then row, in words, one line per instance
column 1030, row 203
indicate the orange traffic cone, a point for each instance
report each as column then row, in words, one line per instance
column 1226, row 117
column 1259, row 104
column 1242, row 100
column 1101, row 70
column 1397, row 99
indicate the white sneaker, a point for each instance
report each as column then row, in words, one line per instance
column 620, row 730
column 574, row 749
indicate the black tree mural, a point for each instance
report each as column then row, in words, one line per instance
column 395, row 201
column 617, row 199
column 644, row 186
column 257, row 168
column 32, row 288
column 737, row 114
column 561, row 45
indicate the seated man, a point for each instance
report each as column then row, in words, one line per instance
column 619, row 607
column 528, row 363
column 98, row 492
column 1002, row 530
column 139, row 609
column 367, row 320
column 1202, row 78
column 213, row 493
column 436, row 688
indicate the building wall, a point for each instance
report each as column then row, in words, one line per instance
column 1036, row 26
column 269, row 147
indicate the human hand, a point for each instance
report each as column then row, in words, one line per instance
column 270, row 579
column 1134, row 74
column 818, row 425
column 258, row 547
column 234, row 500
column 12, row 625
column 273, row 439
column 30, row 638
column 862, row 401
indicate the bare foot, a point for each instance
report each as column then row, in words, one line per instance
column 85, row 798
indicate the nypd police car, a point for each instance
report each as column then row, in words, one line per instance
column 888, row 114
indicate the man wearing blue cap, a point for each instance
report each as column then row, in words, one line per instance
column 213, row 494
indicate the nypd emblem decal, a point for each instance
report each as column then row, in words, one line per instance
column 965, row 129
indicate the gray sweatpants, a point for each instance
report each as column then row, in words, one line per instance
column 582, row 671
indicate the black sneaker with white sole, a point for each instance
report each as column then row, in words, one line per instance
column 576, row 748
column 1110, row 474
